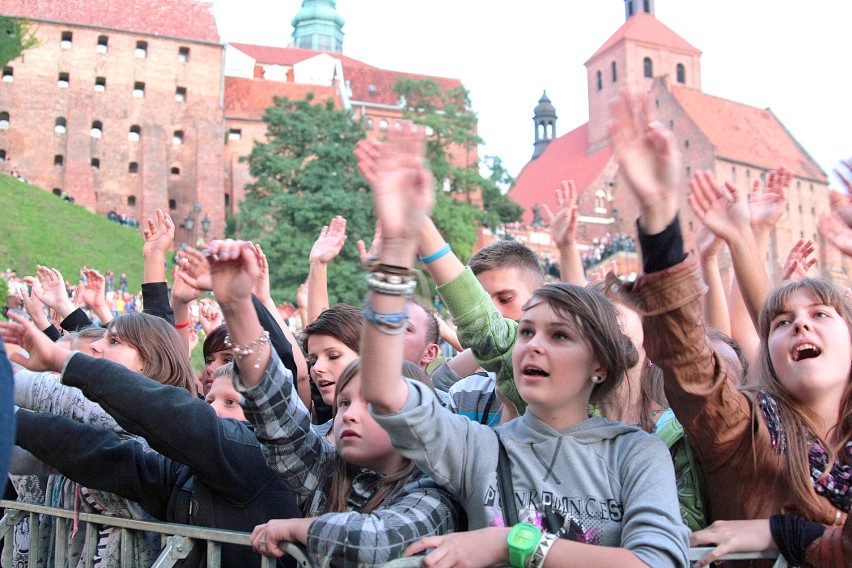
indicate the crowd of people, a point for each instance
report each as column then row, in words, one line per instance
column 606, row 423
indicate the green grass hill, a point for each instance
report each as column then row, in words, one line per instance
column 37, row 227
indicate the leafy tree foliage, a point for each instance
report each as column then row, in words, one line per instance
column 306, row 173
column 15, row 36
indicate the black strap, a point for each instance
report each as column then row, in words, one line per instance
column 504, row 481
column 488, row 403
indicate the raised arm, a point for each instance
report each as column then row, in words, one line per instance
column 715, row 302
column 326, row 248
column 725, row 211
column 94, row 295
column 563, row 227
column 403, row 196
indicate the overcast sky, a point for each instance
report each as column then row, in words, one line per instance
column 791, row 57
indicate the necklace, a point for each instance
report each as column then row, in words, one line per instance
column 653, row 415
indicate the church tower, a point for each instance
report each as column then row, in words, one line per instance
column 642, row 50
column 318, row 26
column 545, row 125
column 633, row 7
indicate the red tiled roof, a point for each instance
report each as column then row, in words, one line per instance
column 289, row 56
column 185, row 19
column 564, row 159
column 746, row 134
column 249, row 98
column 645, row 28
column 358, row 74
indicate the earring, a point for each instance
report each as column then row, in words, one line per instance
column 597, row 379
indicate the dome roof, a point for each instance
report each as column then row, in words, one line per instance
column 313, row 10
column 544, row 106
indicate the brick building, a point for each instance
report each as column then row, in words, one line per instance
column 739, row 143
column 120, row 106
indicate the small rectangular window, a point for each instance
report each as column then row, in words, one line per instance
column 235, row 134
column 58, row 159
column 183, row 54
column 100, row 84
column 63, row 81
column 180, row 94
column 141, row 49
column 8, row 75
column 65, row 43
column 96, row 163
column 102, row 44
column 133, row 167
column 138, row 90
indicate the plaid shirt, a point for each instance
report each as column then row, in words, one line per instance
column 304, row 460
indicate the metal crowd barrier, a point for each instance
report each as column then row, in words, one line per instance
column 180, row 540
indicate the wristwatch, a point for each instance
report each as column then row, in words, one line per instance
column 522, row 540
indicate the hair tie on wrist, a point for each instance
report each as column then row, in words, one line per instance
column 181, row 325
column 436, row 255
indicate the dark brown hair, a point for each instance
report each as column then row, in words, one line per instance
column 342, row 322
column 215, row 341
column 593, row 315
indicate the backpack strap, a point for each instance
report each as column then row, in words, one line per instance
column 504, row 484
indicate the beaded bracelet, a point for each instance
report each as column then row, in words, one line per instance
column 436, row 255
column 241, row 351
column 390, row 324
column 396, row 288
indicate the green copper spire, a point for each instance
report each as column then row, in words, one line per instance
column 318, row 26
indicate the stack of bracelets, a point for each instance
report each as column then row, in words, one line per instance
column 394, row 281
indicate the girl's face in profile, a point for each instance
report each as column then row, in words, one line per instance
column 113, row 348
column 328, row 356
column 213, row 362
column 358, row 437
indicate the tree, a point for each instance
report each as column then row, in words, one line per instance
column 15, row 36
column 451, row 146
column 305, row 174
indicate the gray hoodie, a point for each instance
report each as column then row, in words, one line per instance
column 598, row 482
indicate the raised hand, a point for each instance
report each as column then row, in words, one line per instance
column 302, row 296
column 51, row 290
column 195, row 268
column 563, row 226
column 367, row 152
column 94, row 293
column 375, row 246
column 797, row 264
column 209, row 315
column 648, row 158
column 184, row 290
column 404, row 190
column 836, row 231
column 159, row 234
column 841, row 203
column 767, row 204
column 32, row 305
column 233, row 271
column 707, row 242
column 44, row 354
column 722, row 210
column 330, row 241
column 262, row 287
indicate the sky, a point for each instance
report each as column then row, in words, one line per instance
column 765, row 53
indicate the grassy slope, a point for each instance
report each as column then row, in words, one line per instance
column 37, row 227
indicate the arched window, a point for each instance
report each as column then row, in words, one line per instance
column 134, row 134
column 59, row 126
column 383, row 125
column 600, row 201
column 97, row 129
column 368, row 123
column 8, row 74
column 600, row 80
column 141, row 49
column 614, row 72
column 131, row 200
column 102, row 44
column 681, row 73
column 649, row 67
column 177, row 138
column 4, row 120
